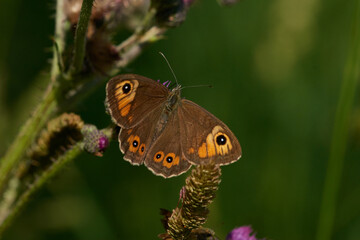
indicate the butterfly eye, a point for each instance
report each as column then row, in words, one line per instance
column 221, row 140
column 126, row 88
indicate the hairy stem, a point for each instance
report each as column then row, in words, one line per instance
column 8, row 210
column 340, row 132
column 56, row 99
column 28, row 133
column 49, row 104
column 39, row 182
column 43, row 111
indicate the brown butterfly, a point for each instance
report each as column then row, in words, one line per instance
column 164, row 131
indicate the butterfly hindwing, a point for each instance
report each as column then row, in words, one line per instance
column 135, row 142
column 130, row 98
column 165, row 157
column 204, row 137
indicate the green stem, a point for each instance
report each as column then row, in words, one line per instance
column 59, row 39
column 43, row 111
column 8, row 212
column 80, row 37
column 28, row 133
column 340, row 132
column 24, row 198
column 49, row 104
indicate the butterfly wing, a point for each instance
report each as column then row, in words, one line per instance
column 204, row 137
column 164, row 157
column 135, row 142
column 130, row 98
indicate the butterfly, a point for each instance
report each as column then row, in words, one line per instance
column 164, row 131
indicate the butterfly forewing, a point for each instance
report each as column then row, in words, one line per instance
column 130, row 98
column 204, row 137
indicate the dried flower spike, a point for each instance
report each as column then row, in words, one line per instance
column 200, row 189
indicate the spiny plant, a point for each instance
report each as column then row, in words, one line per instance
column 84, row 56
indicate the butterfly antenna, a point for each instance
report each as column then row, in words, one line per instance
column 172, row 71
column 209, row 86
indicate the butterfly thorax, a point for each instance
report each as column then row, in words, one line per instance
column 171, row 104
column 173, row 99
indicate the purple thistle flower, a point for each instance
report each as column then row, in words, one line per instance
column 103, row 143
column 242, row 233
column 166, row 83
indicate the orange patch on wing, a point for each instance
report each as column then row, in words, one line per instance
column 131, row 118
column 160, row 158
column 125, row 98
column 176, row 161
column 210, row 145
column 211, row 148
column 119, row 93
column 202, row 151
column 124, row 111
column 191, row 150
column 130, row 139
column 129, row 131
column 124, row 102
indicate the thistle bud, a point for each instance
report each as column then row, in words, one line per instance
column 95, row 141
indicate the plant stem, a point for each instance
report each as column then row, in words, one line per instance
column 340, row 132
column 24, row 198
column 54, row 100
column 58, row 39
column 49, row 104
column 80, row 37
column 131, row 48
column 43, row 111
column 8, row 211
column 28, row 133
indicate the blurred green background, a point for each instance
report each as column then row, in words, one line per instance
column 276, row 68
